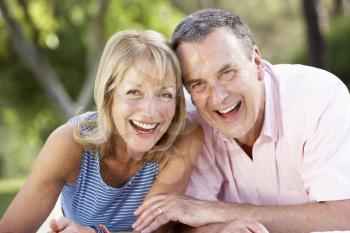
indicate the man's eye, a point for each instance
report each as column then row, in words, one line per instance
column 197, row 86
column 227, row 75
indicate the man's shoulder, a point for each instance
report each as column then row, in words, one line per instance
column 304, row 94
column 306, row 76
column 305, row 84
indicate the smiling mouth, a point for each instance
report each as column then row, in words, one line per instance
column 143, row 128
column 231, row 109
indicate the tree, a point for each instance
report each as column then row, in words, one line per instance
column 338, row 7
column 36, row 60
column 316, row 47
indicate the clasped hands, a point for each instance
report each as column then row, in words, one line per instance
column 161, row 209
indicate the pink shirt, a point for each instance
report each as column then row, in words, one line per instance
column 302, row 154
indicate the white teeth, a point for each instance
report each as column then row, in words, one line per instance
column 144, row 125
column 228, row 109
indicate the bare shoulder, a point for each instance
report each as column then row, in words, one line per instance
column 61, row 152
column 179, row 160
column 191, row 133
column 188, row 144
column 62, row 138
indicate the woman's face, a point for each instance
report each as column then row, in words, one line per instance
column 143, row 107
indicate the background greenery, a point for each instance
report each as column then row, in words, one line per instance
column 60, row 30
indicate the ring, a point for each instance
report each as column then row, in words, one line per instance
column 160, row 211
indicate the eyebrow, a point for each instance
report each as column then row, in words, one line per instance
column 134, row 84
column 167, row 87
column 188, row 83
column 223, row 68
column 220, row 71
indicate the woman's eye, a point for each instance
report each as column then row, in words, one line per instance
column 166, row 97
column 133, row 92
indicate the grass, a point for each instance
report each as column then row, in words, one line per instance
column 8, row 190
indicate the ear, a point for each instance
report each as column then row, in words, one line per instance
column 258, row 62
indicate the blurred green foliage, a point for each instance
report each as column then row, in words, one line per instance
column 338, row 40
column 337, row 49
column 6, row 199
column 8, row 190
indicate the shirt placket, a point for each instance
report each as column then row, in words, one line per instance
column 243, row 172
column 266, row 171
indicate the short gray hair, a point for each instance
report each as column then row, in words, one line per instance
column 196, row 26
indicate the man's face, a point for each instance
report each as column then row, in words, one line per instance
column 225, row 85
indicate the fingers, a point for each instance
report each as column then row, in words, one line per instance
column 59, row 225
column 244, row 226
column 256, row 227
column 157, row 215
column 151, row 209
column 53, row 225
column 148, row 203
column 153, row 213
column 147, row 218
column 241, row 230
column 157, row 223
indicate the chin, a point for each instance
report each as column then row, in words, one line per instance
column 143, row 149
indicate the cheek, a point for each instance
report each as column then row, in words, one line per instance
column 199, row 100
column 124, row 107
column 252, row 104
column 121, row 112
column 168, row 111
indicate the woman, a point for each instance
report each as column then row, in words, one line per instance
column 104, row 163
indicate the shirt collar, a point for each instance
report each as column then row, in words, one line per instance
column 272, row 119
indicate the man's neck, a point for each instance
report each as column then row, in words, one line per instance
column 248, row 140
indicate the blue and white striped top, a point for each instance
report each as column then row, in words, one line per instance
column 91, row 200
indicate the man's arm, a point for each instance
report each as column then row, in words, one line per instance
column 325, row 216
column 240, row 225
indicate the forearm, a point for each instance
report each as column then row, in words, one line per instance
column 292, row 218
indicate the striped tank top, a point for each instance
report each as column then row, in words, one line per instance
column 91, row 201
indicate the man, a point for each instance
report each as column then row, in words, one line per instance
column 277, row 137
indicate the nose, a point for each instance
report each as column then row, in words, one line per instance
column 150, row 107
column 218, row 93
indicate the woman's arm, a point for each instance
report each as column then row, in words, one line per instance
column 176, row 169
column 58, row 163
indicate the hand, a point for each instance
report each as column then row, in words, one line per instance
column 243, row 226
column 160, row 209
column 66, row 225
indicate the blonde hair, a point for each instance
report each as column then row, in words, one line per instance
column 122, row 51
